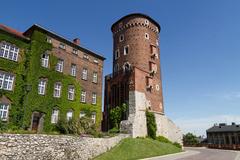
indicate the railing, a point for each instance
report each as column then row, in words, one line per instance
column 225, row 146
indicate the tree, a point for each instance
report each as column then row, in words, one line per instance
column 190, row 139
column 116, row 115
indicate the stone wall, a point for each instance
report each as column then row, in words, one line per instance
column 54, row 147
column 166, row 128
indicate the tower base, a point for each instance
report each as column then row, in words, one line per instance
column 136, row 124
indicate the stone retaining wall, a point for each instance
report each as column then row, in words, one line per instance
column 54, row 147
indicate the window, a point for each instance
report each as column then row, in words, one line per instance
column 73, row 70
column 69, row 115
column 59, row 66
column 94, row 98
column 146, row 36
column 85, row 57
column 157, row 87
column 71, row 93
column 57, row 90
column 95, row 61
column 95, row 77
column 146, row 22
column 93, row 117
column 121, row 38
column 149, row 83
column 126, row 50
column 75, row 51
column 84, row 74
column 157, row 43
column 45, row 60
column 153, row 68
column 9, row 51
column 42, row 87
column 154, row 52
column 82, row 114
column 62, row 46
column 49, row 40
column 83, row 96
column 126, row 67
column 54, row 117
column 117, row 55
column 6, row 81
column 4, row 111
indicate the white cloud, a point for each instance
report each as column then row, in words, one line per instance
column 199, row 126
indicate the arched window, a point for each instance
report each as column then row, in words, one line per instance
column 126, row 66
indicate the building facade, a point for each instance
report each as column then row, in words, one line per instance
column 44, row 78
column 224, row 136
column 136, row 78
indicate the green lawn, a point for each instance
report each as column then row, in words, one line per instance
column 137, row 148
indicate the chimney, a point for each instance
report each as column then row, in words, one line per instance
column 76, row 41
column 233, row 123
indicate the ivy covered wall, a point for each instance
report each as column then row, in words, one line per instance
column 46, row 103
column 28, row 72
column 18, row 69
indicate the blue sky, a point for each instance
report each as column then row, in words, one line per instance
column 200, row 47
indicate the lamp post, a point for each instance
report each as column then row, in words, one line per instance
column 27, row 89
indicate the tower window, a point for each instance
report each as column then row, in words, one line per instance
column 146, row 36
column 146, row 22
column 126, row 50
column 121, row 38
column 117, row 54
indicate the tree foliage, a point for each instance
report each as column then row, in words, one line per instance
column 116, row 115
column 190, row 139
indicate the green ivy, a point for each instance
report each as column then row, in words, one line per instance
column 28, row 71
column 151, row 125
column 18, row 69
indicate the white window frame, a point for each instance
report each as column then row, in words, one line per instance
column 121, row 38
column 117, row 54
column 49, row 39
column 95, row 77
column 93, row 117
column 126, row 50
column 94, row 98
column 147, row 36
column 6, row 81
column 62, row 46
column 95, row 61
column 59, row 66
column 9, row 51
column 83, row 96
column 4, row 110
column 73, row 70
column 57, row 90
column 75, row 51
column 54, row 116
column 82, row 114
column 69, row 115
column 42, row 86
column 45, row 60
column 71, row 92
column 85, row 57
column 84, row 74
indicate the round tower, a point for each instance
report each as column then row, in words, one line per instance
column 136, row 48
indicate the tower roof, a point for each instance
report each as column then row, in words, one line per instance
column 139, row 15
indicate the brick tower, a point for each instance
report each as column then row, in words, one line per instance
column 136, row 78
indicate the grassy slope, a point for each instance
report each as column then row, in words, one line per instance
column 130, row 149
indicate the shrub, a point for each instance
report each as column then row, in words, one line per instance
column 151, row 125
column 114, row 130
column 163, row 139
column 3, row 126
column 177, row 145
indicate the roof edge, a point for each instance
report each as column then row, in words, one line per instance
column 37, row 26
column 137, row 14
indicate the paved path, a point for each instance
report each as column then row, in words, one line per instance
column 202, row 154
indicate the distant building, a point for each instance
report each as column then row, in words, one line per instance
column 45, row 77
column 224, row 136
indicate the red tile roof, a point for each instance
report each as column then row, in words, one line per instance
column 12, row 31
